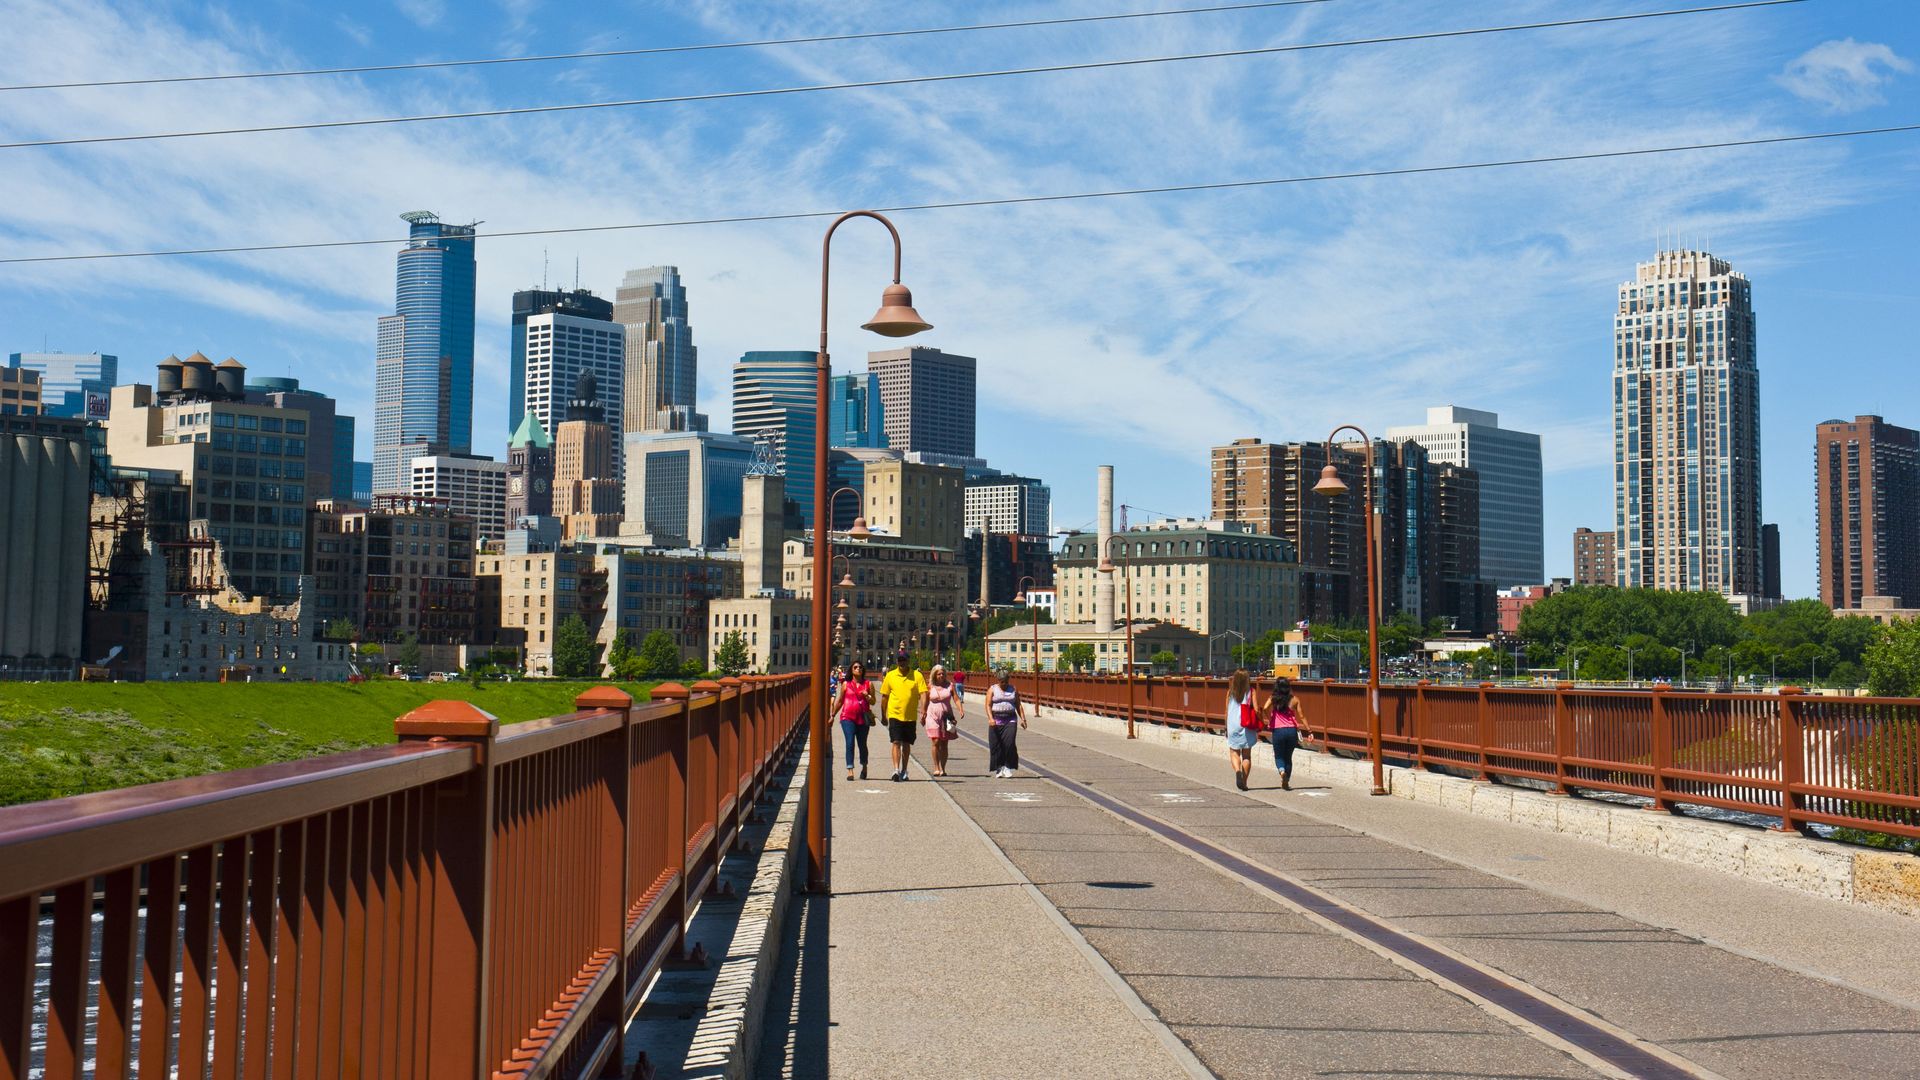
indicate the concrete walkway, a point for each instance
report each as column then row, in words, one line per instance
column 942, row 960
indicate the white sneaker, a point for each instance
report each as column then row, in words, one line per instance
column 1006, row 774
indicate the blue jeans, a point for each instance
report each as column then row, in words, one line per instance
column 856, row 736
column 1285, row 741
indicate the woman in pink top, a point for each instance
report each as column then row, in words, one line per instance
column 1284, row 721
column 940, row 711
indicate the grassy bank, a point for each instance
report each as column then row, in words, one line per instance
column 61, row 739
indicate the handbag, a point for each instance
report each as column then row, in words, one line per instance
column 1250, row 717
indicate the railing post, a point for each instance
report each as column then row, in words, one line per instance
column 610, row 908
column 1483, row 733
column 746, row 742
column 1562, row 737
column 1662, row 748
column 1420, row 724
column 1793, row 759
column 460, row 860
column 683, row 775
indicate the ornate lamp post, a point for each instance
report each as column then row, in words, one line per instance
column 1331, row 485
column 896, row 318
column 1106, row 567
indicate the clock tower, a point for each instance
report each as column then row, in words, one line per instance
column 529, row 472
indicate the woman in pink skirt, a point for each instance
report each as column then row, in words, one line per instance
column 940, row 711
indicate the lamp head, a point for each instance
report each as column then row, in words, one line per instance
column 860, row 530
column 846, row 580
column 896, row 317
column 1330, row 482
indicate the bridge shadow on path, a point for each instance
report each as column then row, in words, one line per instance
column 793, row 1039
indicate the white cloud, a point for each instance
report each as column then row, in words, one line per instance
column 424, row 13
column 1843, row 75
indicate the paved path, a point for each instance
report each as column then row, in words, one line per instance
column 1712, row 975
column 940, row 961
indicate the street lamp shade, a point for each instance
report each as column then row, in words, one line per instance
column 860, row 530
column 1330, row 482
column 846, row 580
column 896, row 317
column 1105, row 567
column 842, row 605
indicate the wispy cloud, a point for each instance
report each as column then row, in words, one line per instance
column 424, row 13
column 1844, row 75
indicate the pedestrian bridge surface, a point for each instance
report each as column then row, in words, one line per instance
column 1118, row 909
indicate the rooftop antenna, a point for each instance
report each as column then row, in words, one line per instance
column 543, row 268
column 576, row 272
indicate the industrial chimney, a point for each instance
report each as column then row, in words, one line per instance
column 1103, row 583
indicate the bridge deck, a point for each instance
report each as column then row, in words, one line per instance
column 1430, row 943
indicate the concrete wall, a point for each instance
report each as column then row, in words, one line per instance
column 1886, row 880
column 43, row 546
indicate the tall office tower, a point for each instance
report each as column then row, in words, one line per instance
column 1592, row 557
column 920, row 505
column 527, row 303
column 362, row 482
column 662, row 375
column 586, row 495
column 1686, row 428
column 683, row 487
column 529, row 472
column 855, row 413
column 1512, row 548
column 1867, row 483
column 1269, row 487
column 927, row 397
column 423, row 364
column 68, row 380
column 1009, row 504
column 470, row 485
column 1465, row 594
column 773, row 403
column 560, row 349
column 1244, row 472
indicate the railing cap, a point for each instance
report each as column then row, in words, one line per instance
column 706, row 686
column 669, row 691
column 447, row 718
column 732, row 680
column 603, row 697
column 1793, row 690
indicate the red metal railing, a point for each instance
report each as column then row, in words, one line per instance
column 1851, row 762
column 473, row 901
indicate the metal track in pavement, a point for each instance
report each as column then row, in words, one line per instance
column 1531, row 1010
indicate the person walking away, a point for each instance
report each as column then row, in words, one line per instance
column 1284, row 715
column 1003, row 712
column 900, row 694
column 853, row 704
column 1242, row 726
column 940, row 711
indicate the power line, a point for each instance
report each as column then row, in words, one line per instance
column 729, row 95
column 816, row 39
column 1017, row 200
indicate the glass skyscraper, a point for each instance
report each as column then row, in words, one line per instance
column 855, row 412
column 773, row 401
column 423, row 366
column 526, row 304
column 67, row 378
column 1512, row 546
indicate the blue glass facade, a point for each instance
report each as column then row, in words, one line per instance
column 854, row 410
column 423, row 378
column 67, row 378
column 773, row 397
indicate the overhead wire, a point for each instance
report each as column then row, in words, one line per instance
column 1018, row 200
column 663, row 50
column 728, row 95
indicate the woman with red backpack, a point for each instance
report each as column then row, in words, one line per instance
column 1243, row 726
column 853, row 704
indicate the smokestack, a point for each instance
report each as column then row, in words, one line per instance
column 1103, row 583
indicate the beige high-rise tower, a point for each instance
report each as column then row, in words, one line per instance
column 1686, row 430
column 662, row 365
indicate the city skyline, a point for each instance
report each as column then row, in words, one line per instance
column 1795, row 221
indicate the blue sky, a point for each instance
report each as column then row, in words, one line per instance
column 1136, row 332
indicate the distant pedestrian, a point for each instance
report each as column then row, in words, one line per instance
column 853, row 704
column 1284, row 716
column 940, row 711
column 1243, row 726
column 1003, row 712
column 900, row 694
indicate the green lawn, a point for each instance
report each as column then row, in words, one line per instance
column 66, row 738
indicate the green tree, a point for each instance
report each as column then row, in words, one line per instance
column 575, row 653
column 731, row 657
column 1893, row 662
column 970, row 660
column 341, row 630
column 406, row 651
column 620, row 655
column 1164, row 661
column 692, row 668
column 1077, row 657
column 659, row 656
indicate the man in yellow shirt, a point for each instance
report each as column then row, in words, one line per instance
column 900, row 694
